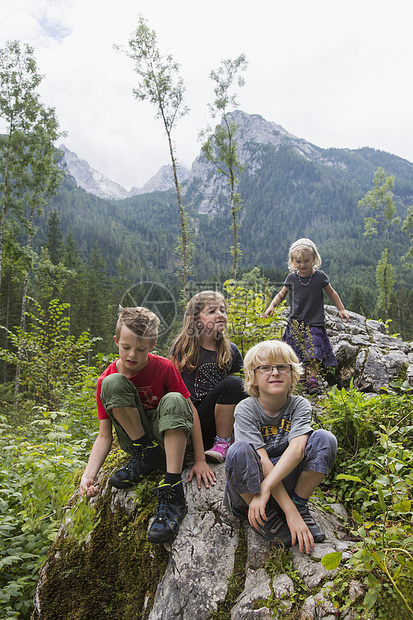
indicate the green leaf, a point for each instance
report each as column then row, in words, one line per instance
column 370, row 598
column 381, row 499
column 331, row 561
column 347, row 477
column 357, row 517
column 403, row 506
column 378, row 560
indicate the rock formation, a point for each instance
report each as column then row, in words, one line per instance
column 366, row 354
column 212, row 545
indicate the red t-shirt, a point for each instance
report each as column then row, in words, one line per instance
column 159, row 377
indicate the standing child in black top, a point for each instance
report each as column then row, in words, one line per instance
column 306, row 331
column 207, row 360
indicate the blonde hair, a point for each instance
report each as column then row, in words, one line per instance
column 187, row 347
column 141, row 321
column 270, row 352
column 300, row 248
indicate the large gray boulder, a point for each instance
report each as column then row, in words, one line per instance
column 212, row 545
column 366, row 353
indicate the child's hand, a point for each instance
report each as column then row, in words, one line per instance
column 269, row 311
column 299, row 532
column 256, row 509
column 344, row 316
column 203, row 473
column 87, row 485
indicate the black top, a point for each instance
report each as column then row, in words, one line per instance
column 208, row 374
column 306, row 297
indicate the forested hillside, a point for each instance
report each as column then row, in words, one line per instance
column 89, row 252
column 289, row 189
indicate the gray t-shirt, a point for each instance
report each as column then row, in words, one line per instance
column 253, row 425
column 306, row 297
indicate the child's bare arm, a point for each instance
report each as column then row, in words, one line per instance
column 98, row 454
column 277, row 300
column 333, row 295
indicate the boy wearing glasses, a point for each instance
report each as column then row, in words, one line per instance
column 277, row 460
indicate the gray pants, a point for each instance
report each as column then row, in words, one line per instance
column 244, row 469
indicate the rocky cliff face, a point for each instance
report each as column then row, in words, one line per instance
column 89, row 179
column 254, row 135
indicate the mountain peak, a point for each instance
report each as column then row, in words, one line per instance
column 96, row 183
column 89, row 179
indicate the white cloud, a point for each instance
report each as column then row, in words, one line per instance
column 334, row 73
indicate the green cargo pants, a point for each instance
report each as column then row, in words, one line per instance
column 173, row 412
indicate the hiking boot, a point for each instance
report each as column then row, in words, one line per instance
column 308, row 519
column 274, row 529
column 170, row 511
column 314, row 386
column 218, row 452
column 145, row 460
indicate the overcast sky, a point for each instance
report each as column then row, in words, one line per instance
column 338, row 74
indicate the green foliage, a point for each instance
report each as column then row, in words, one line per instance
column 407, row 227
column 247, row 301
column 385, row 278
column 50, row 358
column 376, row 482
column 28, row 162
column 36, row 483
column 381, row 201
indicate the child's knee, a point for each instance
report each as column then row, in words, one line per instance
column 243, row 468
column 174, row 412
column 232, row 389
column 240, row 454
column 116, row 384
column 326, row 440
column 118, row 391
column 321, row 451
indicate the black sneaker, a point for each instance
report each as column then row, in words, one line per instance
column 145, row 460
column 169, row 513
column 308, row 519
column 274, row 529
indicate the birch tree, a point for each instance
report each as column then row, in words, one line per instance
column 220, row 146
column 160, row 84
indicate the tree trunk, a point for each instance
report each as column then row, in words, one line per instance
column 184, row 224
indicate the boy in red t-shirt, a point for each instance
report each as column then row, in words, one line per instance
column 146, row 400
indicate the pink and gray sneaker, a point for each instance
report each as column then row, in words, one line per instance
column 218, row 452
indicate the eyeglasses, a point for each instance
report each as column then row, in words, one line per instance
column 267, row 369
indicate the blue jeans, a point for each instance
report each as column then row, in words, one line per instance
column 244, row 469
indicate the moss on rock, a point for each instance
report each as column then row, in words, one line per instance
column 113, row 575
